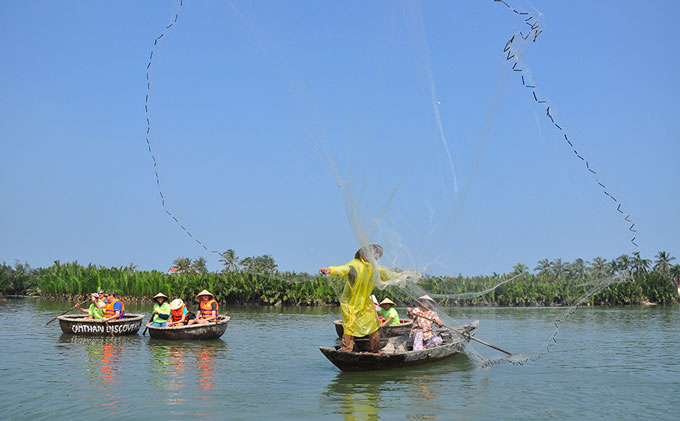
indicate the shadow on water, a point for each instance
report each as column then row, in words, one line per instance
column 367, row 395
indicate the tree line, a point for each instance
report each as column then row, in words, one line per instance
column 257, row 280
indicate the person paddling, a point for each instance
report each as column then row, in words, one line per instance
column 115, row 309
column 208, row 308
column 358, row 314
column 161, row 310
column 96, row 310
column 423, row 338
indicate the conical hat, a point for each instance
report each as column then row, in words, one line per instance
column 204, row 292
column 426, row 297
column 176, row 304
column 387, row 301
column 160, row 295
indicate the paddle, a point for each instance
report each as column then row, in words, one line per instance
column 468, row 336
column 147, row 326
column 55, row 318
column 106, row 323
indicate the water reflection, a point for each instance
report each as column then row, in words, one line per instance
column 206, row 378
column 184, row 368
column 411, row 392
column 103, row 366
column 357, row 400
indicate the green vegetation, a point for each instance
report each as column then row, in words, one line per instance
column 255, row 280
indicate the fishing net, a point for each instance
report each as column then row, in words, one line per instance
column 374, row 123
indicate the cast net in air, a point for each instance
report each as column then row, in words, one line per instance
column 377, row 122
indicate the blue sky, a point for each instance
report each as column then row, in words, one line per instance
column 260, row 110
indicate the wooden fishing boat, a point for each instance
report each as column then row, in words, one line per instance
column 80, row 325
column 190, row 333
column 389, row 331
column 399, row 351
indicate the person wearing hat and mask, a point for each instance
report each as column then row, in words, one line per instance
column 359, row 317
column 423, row 338
column 389, row 313
column 179, row 314
column 96, row 310
column 208, row 308
column 161, row 310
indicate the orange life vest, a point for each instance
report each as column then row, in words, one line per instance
column 177, row 314
column 206, row 309
column 110, row 311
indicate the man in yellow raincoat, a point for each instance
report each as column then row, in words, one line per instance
column 358, row 315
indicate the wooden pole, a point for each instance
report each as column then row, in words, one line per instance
column 55, row 318
column 468, row 336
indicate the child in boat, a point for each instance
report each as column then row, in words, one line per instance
column 423, row 317
column 96, row 310
column 180, row 315
column 161, row 310
column 389, row 313
column 381, row 318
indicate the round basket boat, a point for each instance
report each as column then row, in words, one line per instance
column 80, row 325
column 389, row 331
column 190, row 333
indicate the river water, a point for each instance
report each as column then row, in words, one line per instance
column 607, row 363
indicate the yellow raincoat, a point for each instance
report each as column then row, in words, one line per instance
column 358, row 314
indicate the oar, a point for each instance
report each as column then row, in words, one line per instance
column 468, row 336
column 147, row 325
column 106, row 323
column 51, row 320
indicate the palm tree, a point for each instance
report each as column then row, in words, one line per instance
column 663, row 262
column 230, row 260
column 622, row 263
column 199, row 266
column 578, row 269
column 267, row 264
column 519, row 268
column 599, row 267
column 558, row 268
column 675, row 272
column 183, row 264
column 260, row 264
column 543, row 267
column 248, row 264
column 640, row 266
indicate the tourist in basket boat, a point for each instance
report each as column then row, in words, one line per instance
column 423, row 317
column 115, row 309
column 179, row 314
column 208, row 308
column 389, row 313
column 96, row 310
column 358, row 314
column 161, row 310
column 377, row 308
